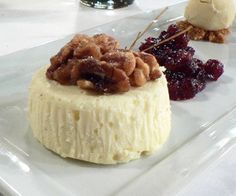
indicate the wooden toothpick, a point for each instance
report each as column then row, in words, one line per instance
column 140, row 34
column 168, row 39
column 134, row 42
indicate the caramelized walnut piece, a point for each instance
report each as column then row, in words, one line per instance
column 197, row 33
column 118, row 76
column 105, row 42
column 104, row 77
column 124, row 60
column 74, row 73
column 147, row 68
column 141, row 73
column 59, row 59
column 140, row 64
column 138, row 78
column 90, row 49
column 85, row 84
column 152, row 63
column 66, row 52
column 63, row 74
column 80, row 40
column 79, row 47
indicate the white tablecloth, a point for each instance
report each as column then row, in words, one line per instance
column 29, row 23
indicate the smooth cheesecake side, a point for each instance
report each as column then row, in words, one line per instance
column 105, row 129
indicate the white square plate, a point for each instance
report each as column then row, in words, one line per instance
column 202, row 128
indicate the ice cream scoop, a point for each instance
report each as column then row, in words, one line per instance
column 210, row 15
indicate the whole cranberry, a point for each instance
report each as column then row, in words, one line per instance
column 214, row 69
column 178, row 60
column 183, row 89
column 195, row 69
column 172, row 29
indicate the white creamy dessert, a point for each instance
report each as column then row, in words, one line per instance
column 106, row 129
column 210, row 15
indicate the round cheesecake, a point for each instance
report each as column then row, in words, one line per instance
column 99, row 128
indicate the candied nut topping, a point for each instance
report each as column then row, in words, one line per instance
column 96, row 63
column 140, row 64
column 106, row 43
column 138, row 78
column 90, row 49
column 124, row 60
column 85, row 84
column 196, row 33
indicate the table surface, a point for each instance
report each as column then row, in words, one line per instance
column 30, row 23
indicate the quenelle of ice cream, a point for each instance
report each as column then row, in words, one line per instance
column 210, row 15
